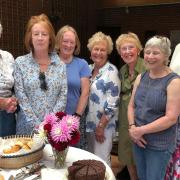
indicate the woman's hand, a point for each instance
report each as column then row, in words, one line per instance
column 99, row 133
column 11, row 105
column 136, row 134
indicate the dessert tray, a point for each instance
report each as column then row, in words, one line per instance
column 19, row 150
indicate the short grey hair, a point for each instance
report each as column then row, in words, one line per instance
column 0, row 29
column 162, row 42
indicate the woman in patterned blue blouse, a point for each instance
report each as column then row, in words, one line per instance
column 103, row 98
column 40, row 77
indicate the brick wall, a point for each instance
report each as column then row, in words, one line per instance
column 161, row 19
column 14, row 15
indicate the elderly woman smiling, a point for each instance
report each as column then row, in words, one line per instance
column 103, row 98
column 153, row 111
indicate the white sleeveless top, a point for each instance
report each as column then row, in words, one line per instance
column 175, row 61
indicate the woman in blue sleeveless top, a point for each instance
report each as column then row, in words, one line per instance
column 153, row 111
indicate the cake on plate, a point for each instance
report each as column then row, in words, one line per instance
column 87, row 170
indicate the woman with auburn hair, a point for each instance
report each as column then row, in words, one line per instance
column 40, row 77
column 103, row 99
column 128, row 47
column 78, row 73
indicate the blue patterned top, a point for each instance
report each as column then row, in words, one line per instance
column 34, row 102
column 104, row 97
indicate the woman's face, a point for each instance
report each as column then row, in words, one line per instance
column 99, row 53
column 68, row 44
column 154, row 57
column 129, row 52
column 40, row 37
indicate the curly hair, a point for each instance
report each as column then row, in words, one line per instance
column 98, row 37
column 129, row 37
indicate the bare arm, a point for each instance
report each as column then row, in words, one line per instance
column 131, row 102
column 84, row 95
column 136, row 138
column 172, row 110
column 162, row 123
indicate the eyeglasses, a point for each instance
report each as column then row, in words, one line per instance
column 42, row 78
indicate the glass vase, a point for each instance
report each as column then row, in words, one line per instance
column 59, row 158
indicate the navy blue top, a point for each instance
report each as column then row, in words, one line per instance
column 150, row 104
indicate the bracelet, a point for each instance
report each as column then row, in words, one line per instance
column 131, row 124
column 76, row 114
column 100, row 125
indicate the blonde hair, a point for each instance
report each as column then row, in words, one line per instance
column 163, row 43
column 129, row 37
column 59, row 38
column 42, row 18
column 98, row 37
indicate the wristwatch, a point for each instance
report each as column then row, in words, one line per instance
column 100, row 125
column 76, row 114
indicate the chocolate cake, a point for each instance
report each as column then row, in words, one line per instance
column 87, row 170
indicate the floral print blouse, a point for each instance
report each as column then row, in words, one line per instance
column 6, row 71
column 104, row 97
column 35, row 102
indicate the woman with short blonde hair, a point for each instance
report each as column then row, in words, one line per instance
column 128, row 47
column 103, row 98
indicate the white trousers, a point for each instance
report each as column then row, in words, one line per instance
column 102, row 150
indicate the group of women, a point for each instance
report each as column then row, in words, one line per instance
column 52, row 78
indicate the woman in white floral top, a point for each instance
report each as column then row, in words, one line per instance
column 40, row 76
column 8, row 103
column 103, row 98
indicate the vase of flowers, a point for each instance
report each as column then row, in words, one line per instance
column 61, row 131
column 59, row 157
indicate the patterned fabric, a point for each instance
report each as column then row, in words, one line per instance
column 35, row 102
column 82, row 144
column 104, row 97
column 7, row 120
column 150, row 104
column 6, row 71
column 173, row 169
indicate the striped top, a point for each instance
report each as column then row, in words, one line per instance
column 150, row 104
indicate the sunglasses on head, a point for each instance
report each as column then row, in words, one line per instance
column 42, row 78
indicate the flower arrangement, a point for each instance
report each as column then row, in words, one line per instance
column 60, row 130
